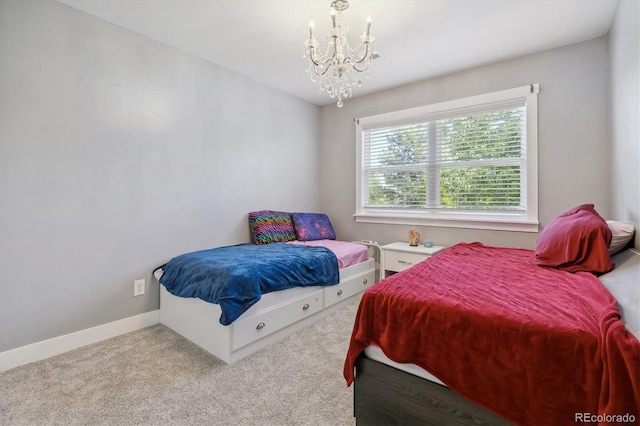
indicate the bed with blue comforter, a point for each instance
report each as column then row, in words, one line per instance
column 236, row 276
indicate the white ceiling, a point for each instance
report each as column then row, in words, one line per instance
column 416, row 39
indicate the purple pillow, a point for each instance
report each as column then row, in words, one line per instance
column 269, row 226
column 312, row 226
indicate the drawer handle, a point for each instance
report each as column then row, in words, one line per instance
column 305, row 307
column 339, row 292
column 365, row 281
column 404, row 262
column 260, row 326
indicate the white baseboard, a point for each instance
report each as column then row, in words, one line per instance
column 57, row 345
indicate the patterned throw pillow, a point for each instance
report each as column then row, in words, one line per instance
column 269, row 226
column 312, row 226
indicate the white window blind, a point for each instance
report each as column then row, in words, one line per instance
column 473, row 159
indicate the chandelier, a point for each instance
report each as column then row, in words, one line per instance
column 338, row 68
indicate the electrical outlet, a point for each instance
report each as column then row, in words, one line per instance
column 139, row 287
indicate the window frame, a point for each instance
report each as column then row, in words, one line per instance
column 526, row 221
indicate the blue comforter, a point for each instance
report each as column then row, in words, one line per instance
column 235, row 277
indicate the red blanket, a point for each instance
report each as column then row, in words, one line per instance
column 532, row 344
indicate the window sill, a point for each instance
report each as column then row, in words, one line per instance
column 503, row 223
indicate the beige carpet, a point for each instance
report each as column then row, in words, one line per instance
column 155, row 377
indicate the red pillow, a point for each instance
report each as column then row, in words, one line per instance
column 577, row 240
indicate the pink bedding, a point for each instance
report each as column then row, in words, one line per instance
column 535, row 345
column 347, row 253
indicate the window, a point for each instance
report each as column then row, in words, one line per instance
column 466, row 163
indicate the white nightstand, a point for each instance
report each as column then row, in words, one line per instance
column 399, row 256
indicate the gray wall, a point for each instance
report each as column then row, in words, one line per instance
column 624, row 50
column 573, row 138
column 117, row 153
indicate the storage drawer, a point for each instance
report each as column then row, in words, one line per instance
column 399, row 260
column 250, row 329
column 336, row 293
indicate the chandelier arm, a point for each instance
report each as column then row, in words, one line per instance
column 312, row 54
column 320, row 68
column 317, row 64
column 365, row 55
column 323, row 71
column 363, row 69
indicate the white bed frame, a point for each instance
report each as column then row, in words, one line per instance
column 275, row 316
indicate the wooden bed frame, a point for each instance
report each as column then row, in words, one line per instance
column 384, row 395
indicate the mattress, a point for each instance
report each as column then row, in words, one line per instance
column 347, row 253
column 376, row 354
column 622, row 283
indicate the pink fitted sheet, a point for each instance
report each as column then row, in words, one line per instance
column 347, row 253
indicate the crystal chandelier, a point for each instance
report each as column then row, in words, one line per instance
column 339, row 67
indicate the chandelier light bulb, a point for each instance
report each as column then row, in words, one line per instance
column 338, row 66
